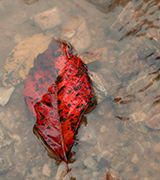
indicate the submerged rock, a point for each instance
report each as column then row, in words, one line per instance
column 4, row 139
column 112, row 175
column 154, row 122
column 98, row 86
column 47, row 19
column 5, row 94
column 91, row 163
column 76, row 31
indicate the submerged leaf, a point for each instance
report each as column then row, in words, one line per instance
column 58, row 91
column 21, row 58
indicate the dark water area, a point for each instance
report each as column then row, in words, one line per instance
column 122, row 133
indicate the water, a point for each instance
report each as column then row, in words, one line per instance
column 116, row 135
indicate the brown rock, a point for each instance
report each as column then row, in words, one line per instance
column 112, row 175
column 154, row 122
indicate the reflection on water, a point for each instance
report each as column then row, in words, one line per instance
column 122, row 132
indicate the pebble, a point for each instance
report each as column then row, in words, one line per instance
column 62, row 173
column 28, row 2
column 155, row 166
column 70, row 26
column 98, row 86
column 103, row 129
column 91, row 163
column 76, row 31
column 87, row 135
column 112, row 175
column 87, row 176
column 138, row 147
column 123, row 19
column 14, row 175
column 4, row 166
column 124, row 152
column 134, row 159
column 4, row 139
column 127, row 63
column 102, row 110
column 156, row 148
column 138, row 116
column 154, row 122
column 138, row 82
column 82, row 39
column 47, row 19
column 105, row 155
column 5, row 94
column 46, row 170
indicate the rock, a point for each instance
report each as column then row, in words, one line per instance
column 98, row 86
column 48, row 19
column 122, row 21
column 28, row 2
column 87, row 135
column 76, row 31
column 5, row 94
column 138, row 147
column 103, row 129
column 105, row 155
column 87, row 176
column 14, row 175
column 156, row 148
column 46, row 170
column 82, row 39
column 69, row 27
column 4, row 165
column 127, row 63
column 125, row 152
column 154, row 122
column 62, row 173
column 138, row 116
column 134, row 159
column 91, row 163
column 26, row 148
column 138, row 82
column 111, row 81
column 155, row 166
column 112, row 175
column 4, row 139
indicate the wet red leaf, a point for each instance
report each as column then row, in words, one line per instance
column 58, row 91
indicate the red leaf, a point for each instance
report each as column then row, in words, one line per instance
column 58, row 91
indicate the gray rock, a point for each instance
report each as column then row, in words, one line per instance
column 47, row 19
column 138, row 82
column 112, row 174
column 76, row 31
column 134, row 159
column 5, row 94
column 46, row 170
column 156, row 148
column 4, row 165
column 4, row 139
column 122, row 21
column 138, row 147
column 88, row 135
column 62, row 173
column 154, row 122
column 105, row 155
column 138, row 116
column 98, row 86
column 91, row 163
